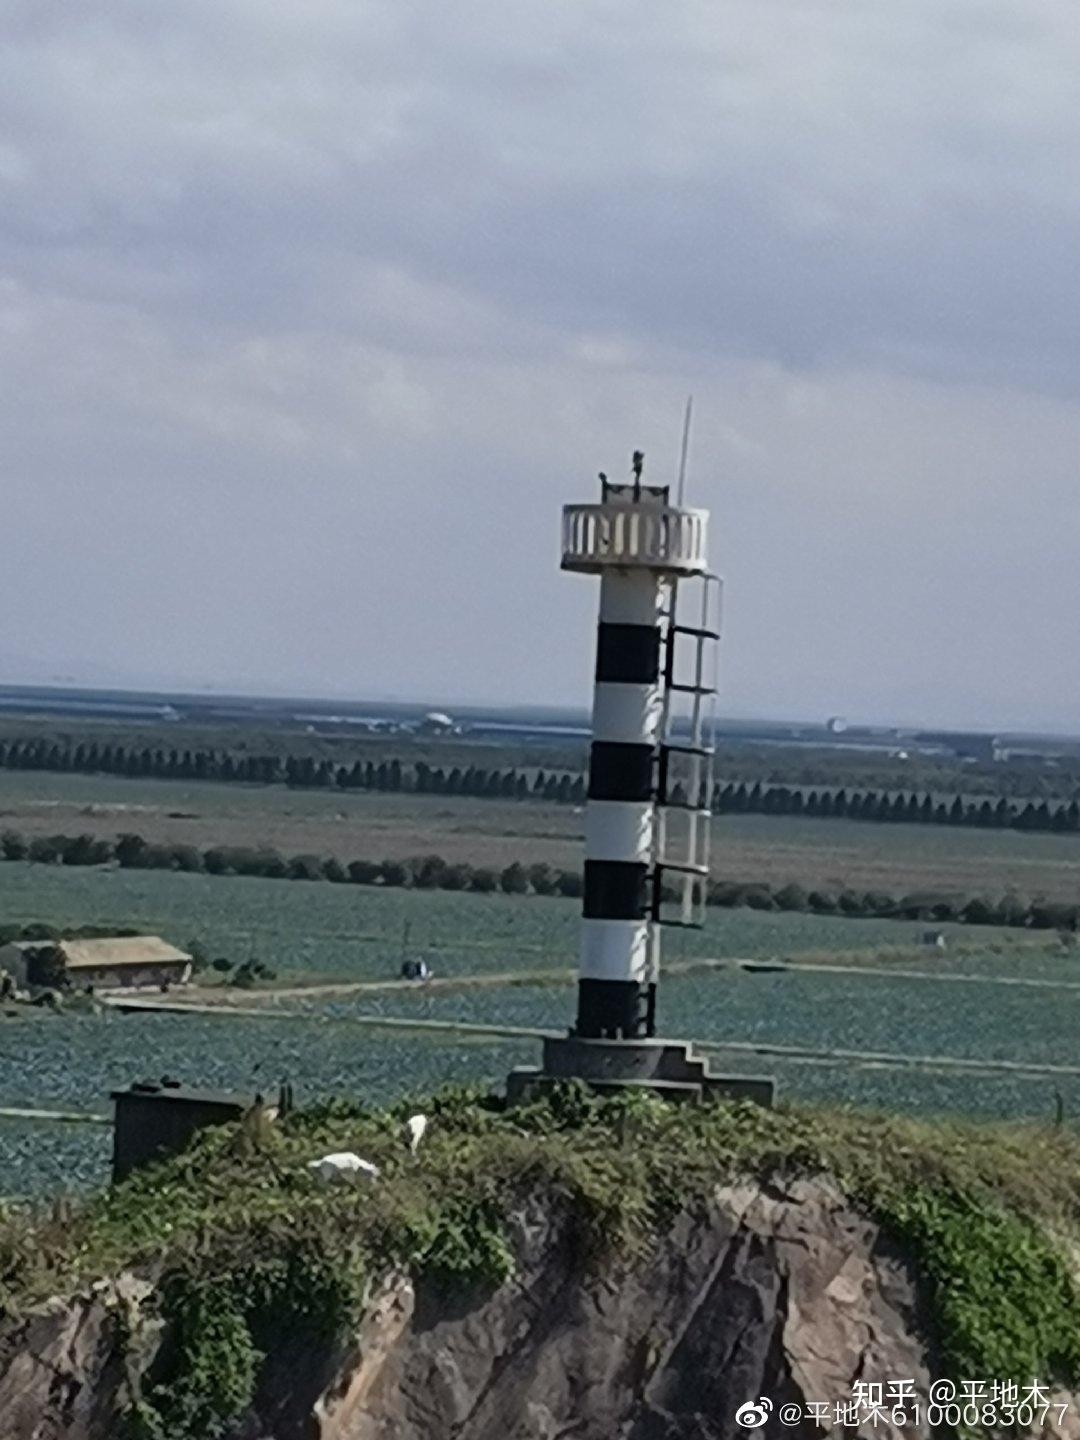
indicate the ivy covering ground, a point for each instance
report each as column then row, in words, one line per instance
column 245, row 1246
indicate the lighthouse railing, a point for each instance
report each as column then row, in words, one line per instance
column 654, row 536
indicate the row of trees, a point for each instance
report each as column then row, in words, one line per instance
column 392, row 775
column 1009, row 909
column 897, row 807
column 425, row 872
column 433, row 872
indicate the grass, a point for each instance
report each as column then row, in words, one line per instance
column 973, row 1206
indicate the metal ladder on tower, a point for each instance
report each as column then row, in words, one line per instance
column 686, row 857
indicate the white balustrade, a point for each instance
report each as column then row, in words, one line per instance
column 649, row 536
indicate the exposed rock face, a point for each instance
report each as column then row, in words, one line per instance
column 779, row 1291
column 64, row 1373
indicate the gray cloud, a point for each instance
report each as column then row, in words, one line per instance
column 312, row 314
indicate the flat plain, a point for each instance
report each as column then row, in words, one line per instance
column 318, row 931
column 835, row 854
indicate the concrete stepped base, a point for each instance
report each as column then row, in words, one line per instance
column 671, row 1068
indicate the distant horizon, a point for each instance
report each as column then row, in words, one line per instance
column 463, row 706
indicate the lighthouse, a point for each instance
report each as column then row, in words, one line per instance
column 647, row 811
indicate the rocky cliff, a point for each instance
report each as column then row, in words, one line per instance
column 776, row 1286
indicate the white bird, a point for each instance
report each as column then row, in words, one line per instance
column 415, row 1127
column 343, row 1167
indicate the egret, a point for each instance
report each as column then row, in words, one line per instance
column 343, row 1167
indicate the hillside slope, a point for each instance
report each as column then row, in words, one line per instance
column 615, row 1271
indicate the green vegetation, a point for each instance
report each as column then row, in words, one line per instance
column 898, row 807
column 1055, row 809
column 976, row 1208
column 433, row 872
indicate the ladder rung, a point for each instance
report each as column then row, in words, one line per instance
column 704, row 750
column 681, row 924
column 683, row 869
column 695, row 630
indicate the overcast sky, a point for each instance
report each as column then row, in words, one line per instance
column 314, row 312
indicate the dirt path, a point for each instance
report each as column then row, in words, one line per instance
column 227, row 999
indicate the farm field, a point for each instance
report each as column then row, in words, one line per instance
column 351, row 933
column 830, row 853
column 354, row 932
column 73, row 1061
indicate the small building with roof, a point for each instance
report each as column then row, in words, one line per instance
column 122, row 962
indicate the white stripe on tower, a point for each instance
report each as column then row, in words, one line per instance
column 617, row 967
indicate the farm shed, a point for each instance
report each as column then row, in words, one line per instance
column 155, row 1120
column 119, row 963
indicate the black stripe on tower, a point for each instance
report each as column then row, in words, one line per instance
column 627, row 654
column 612, row 1009
column 615, row 890
column 620, row 771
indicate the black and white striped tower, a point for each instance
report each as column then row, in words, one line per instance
column 646, row 826
column 639, row 544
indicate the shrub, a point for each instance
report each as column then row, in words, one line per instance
column 85, row 850
column 1013, row 910
column 725, row 892
column 852, row 903
column 978, row 911
column 305, row 867
column 363, row 872
column 199, row 958
column 187, row 858
column 131, row 851
column 334, row 871
column 427, row 871
column 569, row 882
column 269, row 862
column 822, row 902
column 759, row 897
column 46, row 849
column 13, row 846
column 922, row 906
column 791, row 897
column 1046, row 916
column 393, row 872
column 513, row 880
column 484, row 881
column 456, row 877
column 216, row 861
column 543, row 879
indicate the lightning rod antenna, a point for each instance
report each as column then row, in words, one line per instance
column 685, row 446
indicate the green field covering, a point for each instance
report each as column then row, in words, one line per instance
column 351, row 933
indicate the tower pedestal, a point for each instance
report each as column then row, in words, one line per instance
column 668, row 1068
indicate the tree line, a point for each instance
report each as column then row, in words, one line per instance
column 434, row 872
column 904, row 807
column 424, row 872
column 392, row 775
column 301, row 771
